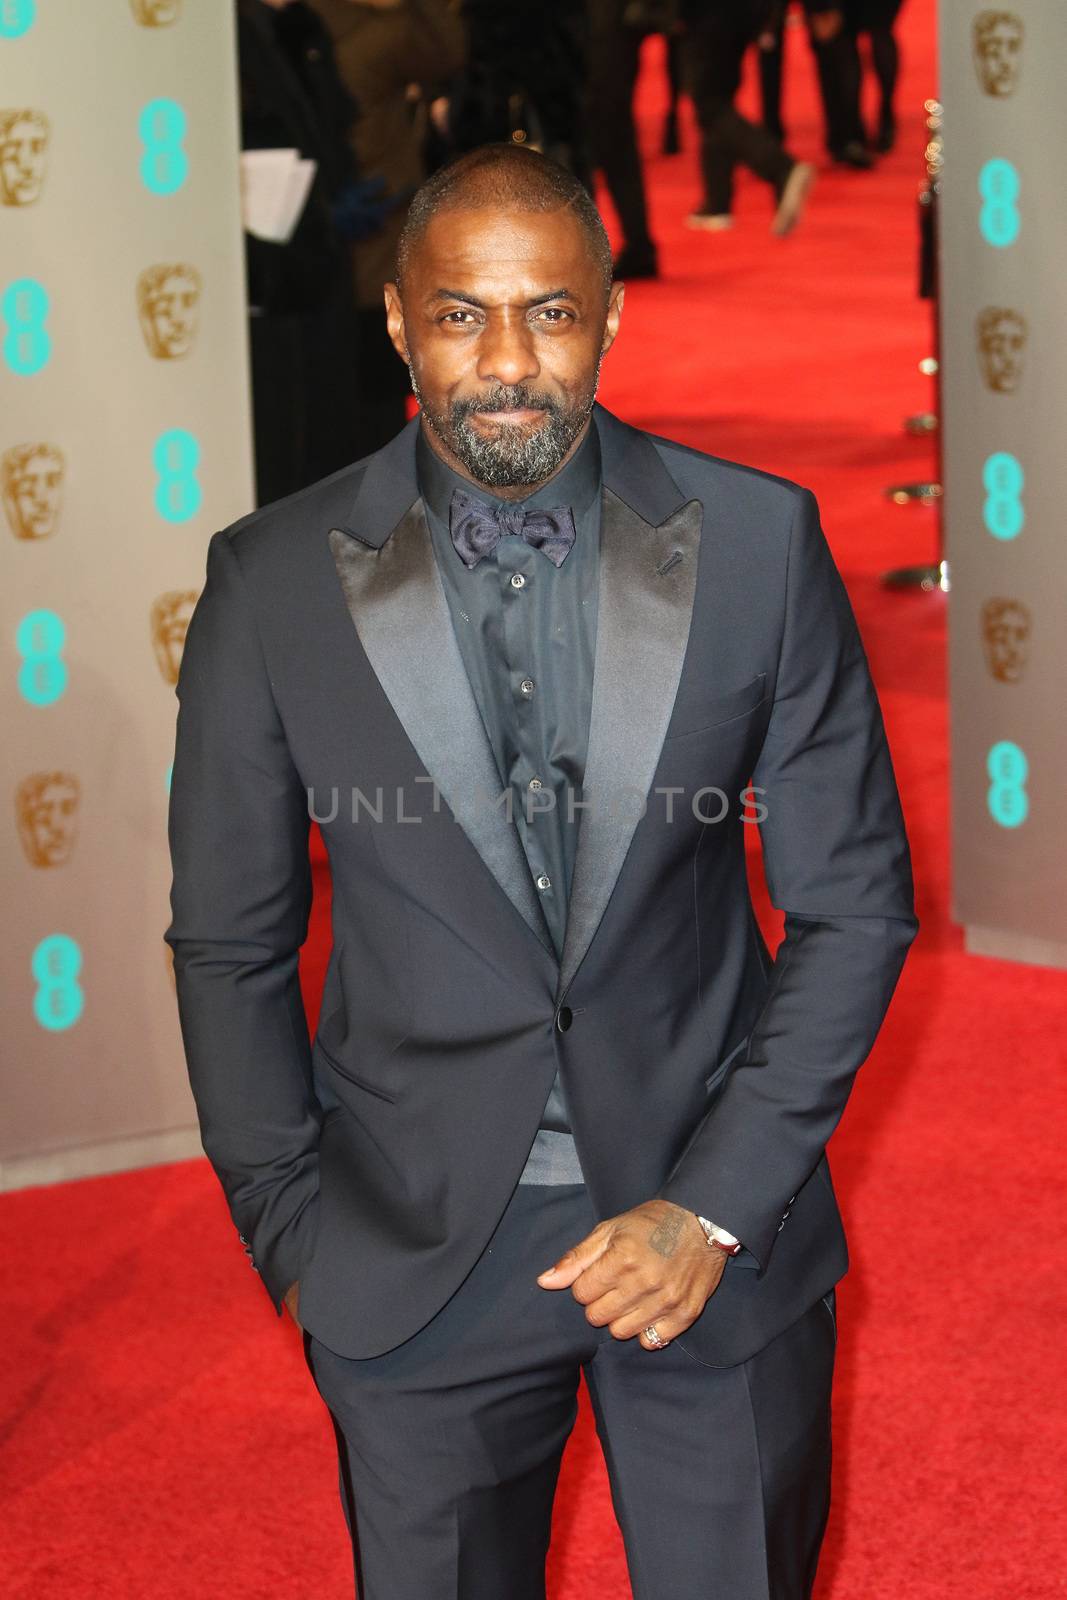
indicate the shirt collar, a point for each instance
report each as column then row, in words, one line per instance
column 576, row 484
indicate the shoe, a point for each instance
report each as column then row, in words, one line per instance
column 636, row 261
column 853, row 155
column 710, row 221
column 672, row 143
column 793, row 197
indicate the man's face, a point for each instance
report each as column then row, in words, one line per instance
column 35, row 491
column 173, row 312
column 998, row 45
column 503, row 322
column 1006, row 626
column 22, row 152
column 1002, row 343
column 47, row 818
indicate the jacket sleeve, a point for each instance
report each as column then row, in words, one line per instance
column 837, row 863
column 240, row 899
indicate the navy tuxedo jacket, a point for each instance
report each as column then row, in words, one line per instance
column 321, row 671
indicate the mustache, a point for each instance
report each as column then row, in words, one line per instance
column 506, row 397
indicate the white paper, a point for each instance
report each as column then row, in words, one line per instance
column 274, row 188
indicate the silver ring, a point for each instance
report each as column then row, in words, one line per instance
column 653, row 1337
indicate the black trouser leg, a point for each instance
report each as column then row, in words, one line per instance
column 716, row 51
column 885, row 57
column 720, row 1476
column 613, row 61
column 837, row 62
column 382, row 384
column 771, row 64
column 450, row 1444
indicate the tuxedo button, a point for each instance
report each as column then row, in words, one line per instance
column 564, row 1018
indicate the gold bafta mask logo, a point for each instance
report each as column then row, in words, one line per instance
column 156, row 13
column 46, row 808
column 168, row 304
column 31, row 481
column 1006, row 636
column 998, row 51
column 23, row 148
column 171, row 613
column 1001, row 348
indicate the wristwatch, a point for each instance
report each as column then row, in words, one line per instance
column 720, row 1238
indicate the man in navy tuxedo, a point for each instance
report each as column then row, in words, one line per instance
column 531, row 670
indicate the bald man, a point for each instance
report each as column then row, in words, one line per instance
column 534, row 672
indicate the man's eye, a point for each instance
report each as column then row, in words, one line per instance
column 553, row 314
column 458, row 316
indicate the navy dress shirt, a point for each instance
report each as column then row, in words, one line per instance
column 526, row 631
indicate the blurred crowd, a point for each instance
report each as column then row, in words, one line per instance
column 378, row 93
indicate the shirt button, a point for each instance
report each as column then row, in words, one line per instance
column 517, row 580
column 527, row 686
column 535, row 783
column 544, row 881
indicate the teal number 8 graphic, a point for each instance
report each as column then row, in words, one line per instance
column 27, row 342
column 43, row 674
column 1008, row 770
column 16, row 17
column 998, row 184
column 164, row 164
column 59, row 1000
column 176, row 456
column 1004, row 480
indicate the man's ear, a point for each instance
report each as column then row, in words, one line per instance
column 611, row 328
column 394, row 321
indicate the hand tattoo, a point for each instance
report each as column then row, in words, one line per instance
column 666, row 1235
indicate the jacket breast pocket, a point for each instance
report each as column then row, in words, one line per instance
column 695, row 712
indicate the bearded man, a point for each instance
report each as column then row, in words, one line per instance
column 531, row 669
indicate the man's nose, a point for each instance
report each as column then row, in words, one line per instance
column 506, row 352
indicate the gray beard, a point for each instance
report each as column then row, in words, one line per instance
column 512, row 458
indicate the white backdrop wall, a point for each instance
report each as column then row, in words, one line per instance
column 1004, row 372
column 124, row 443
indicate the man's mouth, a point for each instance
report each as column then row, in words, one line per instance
column 512, row 416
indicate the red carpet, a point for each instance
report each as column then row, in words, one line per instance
column 160, row 1436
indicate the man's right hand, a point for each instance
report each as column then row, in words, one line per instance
column 292, row 1303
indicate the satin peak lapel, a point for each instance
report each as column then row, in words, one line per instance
column 644, row 610
column 396, row 601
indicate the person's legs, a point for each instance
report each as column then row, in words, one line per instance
column 381, row 383
column 837, row 62
column 885, row 59
column 771, row 63
column 613, row 60
column 717, row 47
column 720, row 1475
column 450, row 1444
column 714, row 52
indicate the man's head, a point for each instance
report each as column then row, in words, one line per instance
column 1001, row 347
column 23, row 147
column 998, row 43
column 502, row 308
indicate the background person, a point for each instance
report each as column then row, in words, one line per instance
column 394, row 57
column 717, row 34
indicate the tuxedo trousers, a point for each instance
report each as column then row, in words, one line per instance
column 450, row 1444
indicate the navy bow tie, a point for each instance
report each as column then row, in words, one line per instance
column 476, row 528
